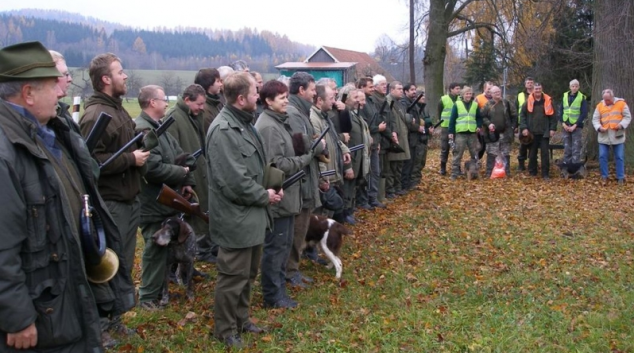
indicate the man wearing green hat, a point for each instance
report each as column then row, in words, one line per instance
column 45, row 299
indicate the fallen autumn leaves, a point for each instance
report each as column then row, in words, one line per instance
column 517, row 265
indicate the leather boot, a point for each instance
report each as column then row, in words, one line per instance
column 490, row 164
column 443, row 168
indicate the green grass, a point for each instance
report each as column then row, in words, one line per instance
column 515, row 265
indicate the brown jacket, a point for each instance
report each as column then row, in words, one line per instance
column 121, row 179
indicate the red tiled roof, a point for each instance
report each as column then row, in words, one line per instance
column 363, row 61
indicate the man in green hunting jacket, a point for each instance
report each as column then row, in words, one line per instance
column 161, row 169
column 188, row 129
column 45, row 300
column 240, row 202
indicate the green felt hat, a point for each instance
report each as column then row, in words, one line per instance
column 26, row 61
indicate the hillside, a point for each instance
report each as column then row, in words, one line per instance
column 80, row 38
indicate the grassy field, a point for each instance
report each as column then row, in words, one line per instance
column 517, row 265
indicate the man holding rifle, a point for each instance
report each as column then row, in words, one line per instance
column 188, row 129
column 301, row 92
column 359, row 136
column 419, row 127
column 120, row 180
column 168, row 165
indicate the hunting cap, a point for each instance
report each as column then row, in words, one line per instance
column 273, row 177
column 26, row 61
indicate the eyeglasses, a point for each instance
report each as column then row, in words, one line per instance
column 66, row 74
column 164, row 99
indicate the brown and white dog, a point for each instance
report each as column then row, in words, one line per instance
column 327, row 234
column 179, row 237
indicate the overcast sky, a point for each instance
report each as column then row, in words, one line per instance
column 346, row 24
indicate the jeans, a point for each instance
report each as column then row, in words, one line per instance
column 277, row 248
column 619, row 158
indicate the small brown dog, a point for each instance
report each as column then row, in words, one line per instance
column 471, row 168
column 328, row 235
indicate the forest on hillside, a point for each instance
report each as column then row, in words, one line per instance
column 80, row 38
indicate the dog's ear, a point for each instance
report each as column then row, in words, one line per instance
column 185, row 231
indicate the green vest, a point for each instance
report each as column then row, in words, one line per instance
column 466, row 121
column 447, row 105
column 571, row 112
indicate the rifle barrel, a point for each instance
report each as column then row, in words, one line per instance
column 123, row 149
column 97, row 130
column 357, row 147
column 411, row 106
column 316, row 142
column 293, row 179
column 327, row 173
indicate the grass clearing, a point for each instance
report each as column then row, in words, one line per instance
column 517, row 265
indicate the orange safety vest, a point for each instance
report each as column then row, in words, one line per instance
column 548, row 104
column 612, row 115
column 482, row 100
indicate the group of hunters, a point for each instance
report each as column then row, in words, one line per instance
column 232, row 141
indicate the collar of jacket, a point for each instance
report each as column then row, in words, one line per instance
column 319, row 112
column 149, row 119
column 241, row 115
column 299, row 103
column 62, row 108
column 281, row 117
column 102, row 98
column 19, row 129
column 181, row 105
column 380, row 97
column 213, row 99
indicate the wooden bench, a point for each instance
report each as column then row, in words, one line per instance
column 554, row 147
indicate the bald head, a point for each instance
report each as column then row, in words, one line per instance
column 496, row 93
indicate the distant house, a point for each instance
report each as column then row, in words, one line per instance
column 339, row 64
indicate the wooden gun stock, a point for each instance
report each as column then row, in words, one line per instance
column 171, row 198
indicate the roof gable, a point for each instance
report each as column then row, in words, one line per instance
column 364, row 61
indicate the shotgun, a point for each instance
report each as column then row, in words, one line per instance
column 171, row 198
column 356, row 148
column 293, row 179
column 97, row 130
column 323, row 134
column 327, row 173
column 157, row 132
column 411, row 106
column 197, row 153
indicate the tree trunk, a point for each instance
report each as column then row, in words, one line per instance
column 435, row 53
column 412, row 44
column 613, row 65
